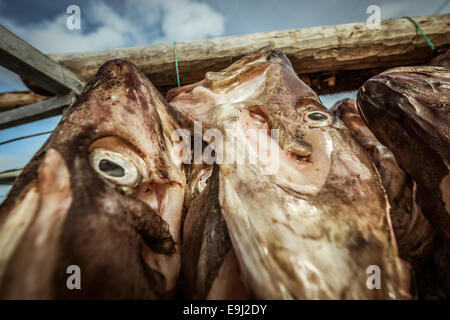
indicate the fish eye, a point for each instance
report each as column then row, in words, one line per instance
column 110, row 168
column 203, row 180
column 317, row 118
column 116, row 167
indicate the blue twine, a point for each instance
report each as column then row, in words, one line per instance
column 176, row 61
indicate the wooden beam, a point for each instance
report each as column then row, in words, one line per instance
column 8, row 177
column 25, row 60
column 36, row 111
column 11, row 100
column 326, row 54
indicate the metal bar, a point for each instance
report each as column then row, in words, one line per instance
column 25, row 137
column 28, row 62
column 8, row 177
column 36, row 111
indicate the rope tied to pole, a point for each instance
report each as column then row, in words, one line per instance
column 421, row 32
column 176, row 61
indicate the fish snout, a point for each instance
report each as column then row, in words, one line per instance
column 299, row 148
column 293, row 143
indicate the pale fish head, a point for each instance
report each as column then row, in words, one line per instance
column 315, row 226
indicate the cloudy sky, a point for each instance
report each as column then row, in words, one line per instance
column 116, row 24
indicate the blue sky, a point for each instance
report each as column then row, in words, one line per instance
column 116, row 24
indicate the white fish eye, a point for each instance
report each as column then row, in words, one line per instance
column 316, row 118
column 116, row 167
column 203, row 180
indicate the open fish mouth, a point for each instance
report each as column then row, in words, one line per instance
column 209, row 265
column 168, row 204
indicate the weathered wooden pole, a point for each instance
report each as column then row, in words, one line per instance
column 328, row 57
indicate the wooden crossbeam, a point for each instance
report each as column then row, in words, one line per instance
column 329, row 58
column 35, row 111
column 28, row 62
column 15, row 99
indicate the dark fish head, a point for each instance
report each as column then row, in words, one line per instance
column 409, row 104
column 310, row 221
column 413, row 233
column 408, row 110
column 105, row 193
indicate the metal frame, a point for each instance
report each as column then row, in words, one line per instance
column 9, row 176
column 33, row 65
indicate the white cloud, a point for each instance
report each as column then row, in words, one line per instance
column 137, row 24
column 194, row 21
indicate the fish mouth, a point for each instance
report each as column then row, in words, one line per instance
column 147, row 182
column 306, row 173
column 166, row 199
